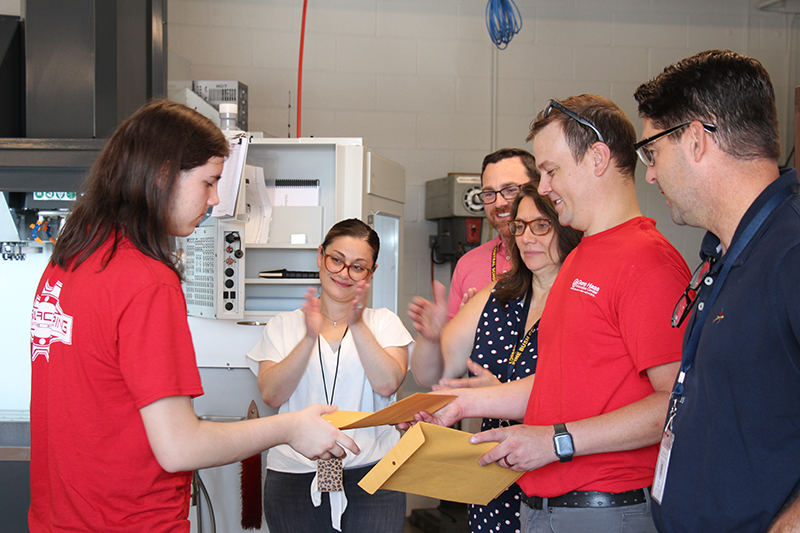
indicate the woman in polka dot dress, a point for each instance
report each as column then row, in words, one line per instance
column 494, row 336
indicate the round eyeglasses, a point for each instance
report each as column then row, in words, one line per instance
column 489, row 196
column 646, row 154
column 539, row 226
column 334, row 265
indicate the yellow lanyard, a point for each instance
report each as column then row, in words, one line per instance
column 494, row 262
column 519, row 348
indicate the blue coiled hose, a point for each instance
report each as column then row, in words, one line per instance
column 503, row 21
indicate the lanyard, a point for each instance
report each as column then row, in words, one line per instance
column 494, row 261
column 519, row 347
column 690, row 348
column 322, row 366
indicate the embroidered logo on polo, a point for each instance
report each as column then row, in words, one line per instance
column 585, row 287
column 49, row 323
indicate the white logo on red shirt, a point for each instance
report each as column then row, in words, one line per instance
column 49, row 323
column 585, row 287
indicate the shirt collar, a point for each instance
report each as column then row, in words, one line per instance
column 788, row 178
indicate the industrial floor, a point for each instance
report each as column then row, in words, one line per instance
column 411, row 529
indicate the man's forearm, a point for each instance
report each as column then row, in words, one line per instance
column 507, row 400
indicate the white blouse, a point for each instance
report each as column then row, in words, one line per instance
column 353, row 390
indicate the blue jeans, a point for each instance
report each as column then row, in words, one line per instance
column 288, row 507
column 628, row 519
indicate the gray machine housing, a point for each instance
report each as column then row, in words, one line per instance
column 453, row 203
column 455, row 195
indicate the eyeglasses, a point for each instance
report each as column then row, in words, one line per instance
column 574, row 116
column 539, row 226
column 685, row 302
column 646, row 155
column 489, row 196
column 334, row 265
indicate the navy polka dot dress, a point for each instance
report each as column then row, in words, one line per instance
column 499, row 330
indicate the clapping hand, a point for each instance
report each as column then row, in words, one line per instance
column 467, row 296
column 358, row 303
column 311, row 310
column 430, row 317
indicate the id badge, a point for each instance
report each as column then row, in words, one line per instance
column 329, row 475
column 662, row 466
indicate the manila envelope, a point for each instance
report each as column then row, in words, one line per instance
column 402, row 411
column 440, row 463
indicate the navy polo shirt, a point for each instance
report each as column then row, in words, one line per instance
column 736, row 455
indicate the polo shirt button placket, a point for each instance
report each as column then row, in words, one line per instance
column 708, row 281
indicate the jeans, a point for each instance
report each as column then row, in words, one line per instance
column 628, row 519
column 288, row 507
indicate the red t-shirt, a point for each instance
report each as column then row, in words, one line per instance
column 607, row 320
column 104, row 344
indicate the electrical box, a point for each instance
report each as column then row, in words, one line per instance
column 225, row 92
column 454, row 204
column 455, row 195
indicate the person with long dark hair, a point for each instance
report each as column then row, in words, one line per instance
column 494, row 336
column 114, row 437
column 334, row 350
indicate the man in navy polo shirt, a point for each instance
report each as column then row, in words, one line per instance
column 730, row 457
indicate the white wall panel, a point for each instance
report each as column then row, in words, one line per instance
column 414, row 77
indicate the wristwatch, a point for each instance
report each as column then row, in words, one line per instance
column 562, row 441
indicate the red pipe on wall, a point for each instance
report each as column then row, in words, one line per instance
column 300, row 67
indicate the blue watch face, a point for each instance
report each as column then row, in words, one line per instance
column 564, row 445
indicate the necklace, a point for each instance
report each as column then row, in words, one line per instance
column 322, row 368
column 332, row 320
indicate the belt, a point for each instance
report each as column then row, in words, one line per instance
column 587, row 498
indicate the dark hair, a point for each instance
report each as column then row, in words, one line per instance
column 516, row 282
column 507, row 153
column 731, row 91
column 353, row 227
column 128, row 192
column 607, row 117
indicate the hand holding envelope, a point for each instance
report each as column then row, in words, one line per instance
column 429, row 460
column 398, row 412
column 440, row 463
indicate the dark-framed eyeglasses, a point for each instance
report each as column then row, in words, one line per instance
column 334, row 265
column 538, row 226
column 686, row 302
column 489, row 196
column 573, row 116
column 646, row 155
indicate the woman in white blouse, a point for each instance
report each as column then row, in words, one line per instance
column 336, row 351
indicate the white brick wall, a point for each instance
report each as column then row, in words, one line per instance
column 413, row 77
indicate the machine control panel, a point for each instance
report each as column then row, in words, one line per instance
column 213, row 261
